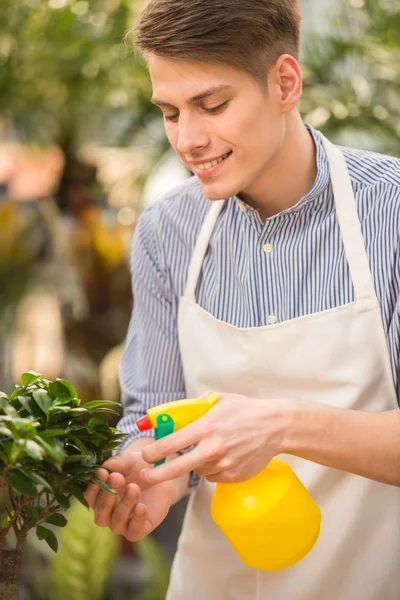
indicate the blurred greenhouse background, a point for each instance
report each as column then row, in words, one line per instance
column 82, row 152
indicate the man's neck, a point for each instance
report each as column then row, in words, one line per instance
column 290, row 176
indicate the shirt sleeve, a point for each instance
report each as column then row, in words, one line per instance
column 151, row 369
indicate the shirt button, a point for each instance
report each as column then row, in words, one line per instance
column 272, row 319
column 242, row 206
column 267, row 248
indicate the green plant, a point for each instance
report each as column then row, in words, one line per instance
column 351, row 75
column 83, row 566
column 49, row 448
column 157, row 566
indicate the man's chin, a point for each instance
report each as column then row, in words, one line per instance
column 215, row 192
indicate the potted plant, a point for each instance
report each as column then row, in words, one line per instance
column 49, row 448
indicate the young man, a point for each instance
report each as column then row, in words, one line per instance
column 272, row 277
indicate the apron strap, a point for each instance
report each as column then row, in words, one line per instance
column 200, row 249
column 349, row 223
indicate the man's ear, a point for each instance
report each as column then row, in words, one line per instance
column 286, row 81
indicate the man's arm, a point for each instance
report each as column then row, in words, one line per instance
column 240, row 435
column 151, row 370
column 363, row 443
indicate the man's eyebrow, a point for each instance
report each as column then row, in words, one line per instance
column 208, row 92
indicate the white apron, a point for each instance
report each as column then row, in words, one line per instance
column 337, row 357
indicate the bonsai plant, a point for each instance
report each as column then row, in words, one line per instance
column 49, row 448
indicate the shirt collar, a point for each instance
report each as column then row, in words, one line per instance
column 322, row 179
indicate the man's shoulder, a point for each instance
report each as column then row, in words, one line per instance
column 187, row 196
column 177, row 215
column 186, row 201
column 368, row 168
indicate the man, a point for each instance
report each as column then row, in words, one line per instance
column 272, row 277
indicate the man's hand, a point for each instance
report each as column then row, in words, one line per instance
column 137, row 509
column 233, row 441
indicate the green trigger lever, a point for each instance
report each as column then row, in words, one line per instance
column 164, row 426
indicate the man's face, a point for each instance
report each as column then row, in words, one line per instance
column 224, row 125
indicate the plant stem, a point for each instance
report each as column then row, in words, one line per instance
column 8, row 591
column 10, row 564
column 3, row 483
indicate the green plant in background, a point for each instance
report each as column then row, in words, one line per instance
column 158, row 569
column 83, row 566
column 67, row 76
column 49, row 448
column 352, row 75
column 85, row 563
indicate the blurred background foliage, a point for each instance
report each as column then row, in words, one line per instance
column 82, row 152
column 352, row 75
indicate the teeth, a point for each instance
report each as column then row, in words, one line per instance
column 208, row 165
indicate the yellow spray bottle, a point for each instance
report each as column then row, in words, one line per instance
column 271, row 520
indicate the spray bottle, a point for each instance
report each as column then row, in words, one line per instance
column 271, row 520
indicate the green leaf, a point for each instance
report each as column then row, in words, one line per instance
column 105, row 410
column 37, row 478
column 56, row 519
column 42, row 399
column 79, row 444
column 7, row 520
column 32, row 511
column 5, row 431
column 30, row 406
column 61, row 387
column 30, row 377
column 52, row 541
column 19, row 426
column 104, row 486
column 72, row 458
column 66, row 400
column 7, row 408
column 42, row 532
column 62, row 500
column 18, row 390
column 83, row 543
column 79, row 412
column 52, row 432
column 95, row 403
column 97, row 422
column 32, row 449
column 46, row 534
column 76, row 492
column 21, row 483
column 52, row 449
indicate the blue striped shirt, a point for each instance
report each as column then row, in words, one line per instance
column 291, row 265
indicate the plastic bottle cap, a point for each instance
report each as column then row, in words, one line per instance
column 144, row 423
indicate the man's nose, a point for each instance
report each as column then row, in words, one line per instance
column 192, row 135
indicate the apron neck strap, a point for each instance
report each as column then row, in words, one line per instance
column 200, row 249
column 347, row 217
column 349, row 223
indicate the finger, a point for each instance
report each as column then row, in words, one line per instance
column 105, row 504
column 210, row 468
column 122, row 512
column 139, row 525
column 175, row 468
column 184, row 438
column 93, row 489
column 122, row 463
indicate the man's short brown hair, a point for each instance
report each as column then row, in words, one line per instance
column 247, row 34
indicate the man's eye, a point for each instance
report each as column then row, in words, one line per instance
column 172, row 118
column 216, row 109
